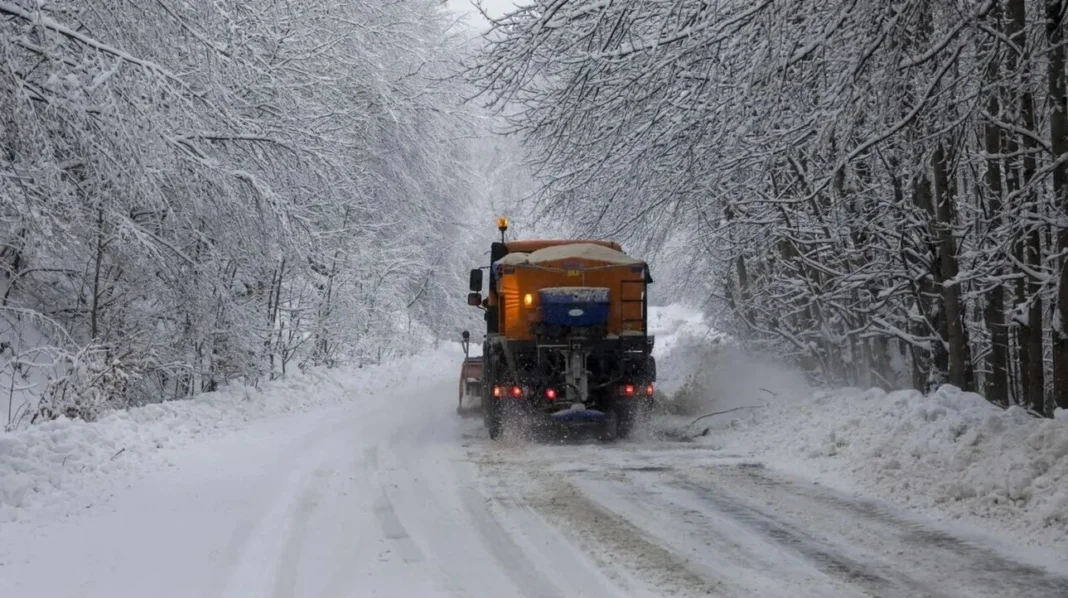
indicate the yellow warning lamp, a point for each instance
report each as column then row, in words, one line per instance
column 502, row 225
column 528, row 300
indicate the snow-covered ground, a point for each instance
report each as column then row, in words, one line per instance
column 366, row 483
column 951, row 454
column 54, row 465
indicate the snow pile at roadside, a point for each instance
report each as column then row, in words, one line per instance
column 685, row 345
column 951, row 453
column 52, row 463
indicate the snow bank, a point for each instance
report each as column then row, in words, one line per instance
column 57, row 463
column 674, row 323
column 700, row 369
column 951, row 453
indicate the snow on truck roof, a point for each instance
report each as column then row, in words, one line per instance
column 554, row 253
column 529, row 245
column 512, row 259
column 587, row 251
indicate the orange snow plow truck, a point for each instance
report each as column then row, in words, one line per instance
column 566, row 339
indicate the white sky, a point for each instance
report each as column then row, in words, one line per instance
column 495, row 8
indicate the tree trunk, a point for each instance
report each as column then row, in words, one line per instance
column 742, row 297
column 98, row 261
column 997, row 382
column 930, row 366
column 945, row 207
column 1030, row 241
column 1058, row 128
column 274, row 299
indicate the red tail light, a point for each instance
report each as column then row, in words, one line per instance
column 517, row 392
column 628, row 390
column 649, row 390
column 498, row 391
column 550, row 393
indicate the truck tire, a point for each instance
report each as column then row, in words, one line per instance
column 626, row 417
column 492, row 419
column 611, row 427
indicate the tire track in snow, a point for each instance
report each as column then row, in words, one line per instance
column 746, row 532
column 241, row 540
column 833, row 560
column 622, row 550
column 287, row 575
column 268, row 544
column 716, row 547
column 506, row 552
column 996, row 570
column 943, row 561
column 393, row 530
column 474, row 550
column 372, row 550
column 419, row 522
column 357, row 537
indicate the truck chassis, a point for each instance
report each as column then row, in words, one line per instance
column 605, row 382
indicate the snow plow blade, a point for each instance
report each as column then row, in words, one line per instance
column 470, row 387
column 470, row 402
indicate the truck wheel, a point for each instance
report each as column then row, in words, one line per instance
column 611, row 426
column 492, row 419
column 626, row 418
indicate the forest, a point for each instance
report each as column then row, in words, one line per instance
column 198, row 192
column 876, row 190
column 201, row 192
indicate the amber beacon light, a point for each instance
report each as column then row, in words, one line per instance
column 502, row 225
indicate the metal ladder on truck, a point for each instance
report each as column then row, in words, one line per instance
column 642, row 320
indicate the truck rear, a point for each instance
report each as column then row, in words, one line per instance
column 567, row 336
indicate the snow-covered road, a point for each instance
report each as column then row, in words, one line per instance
column 392, row 495
column 694, row 524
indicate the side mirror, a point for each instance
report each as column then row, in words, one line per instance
column 466, row 335
column 474, row 299
column 476, row 280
